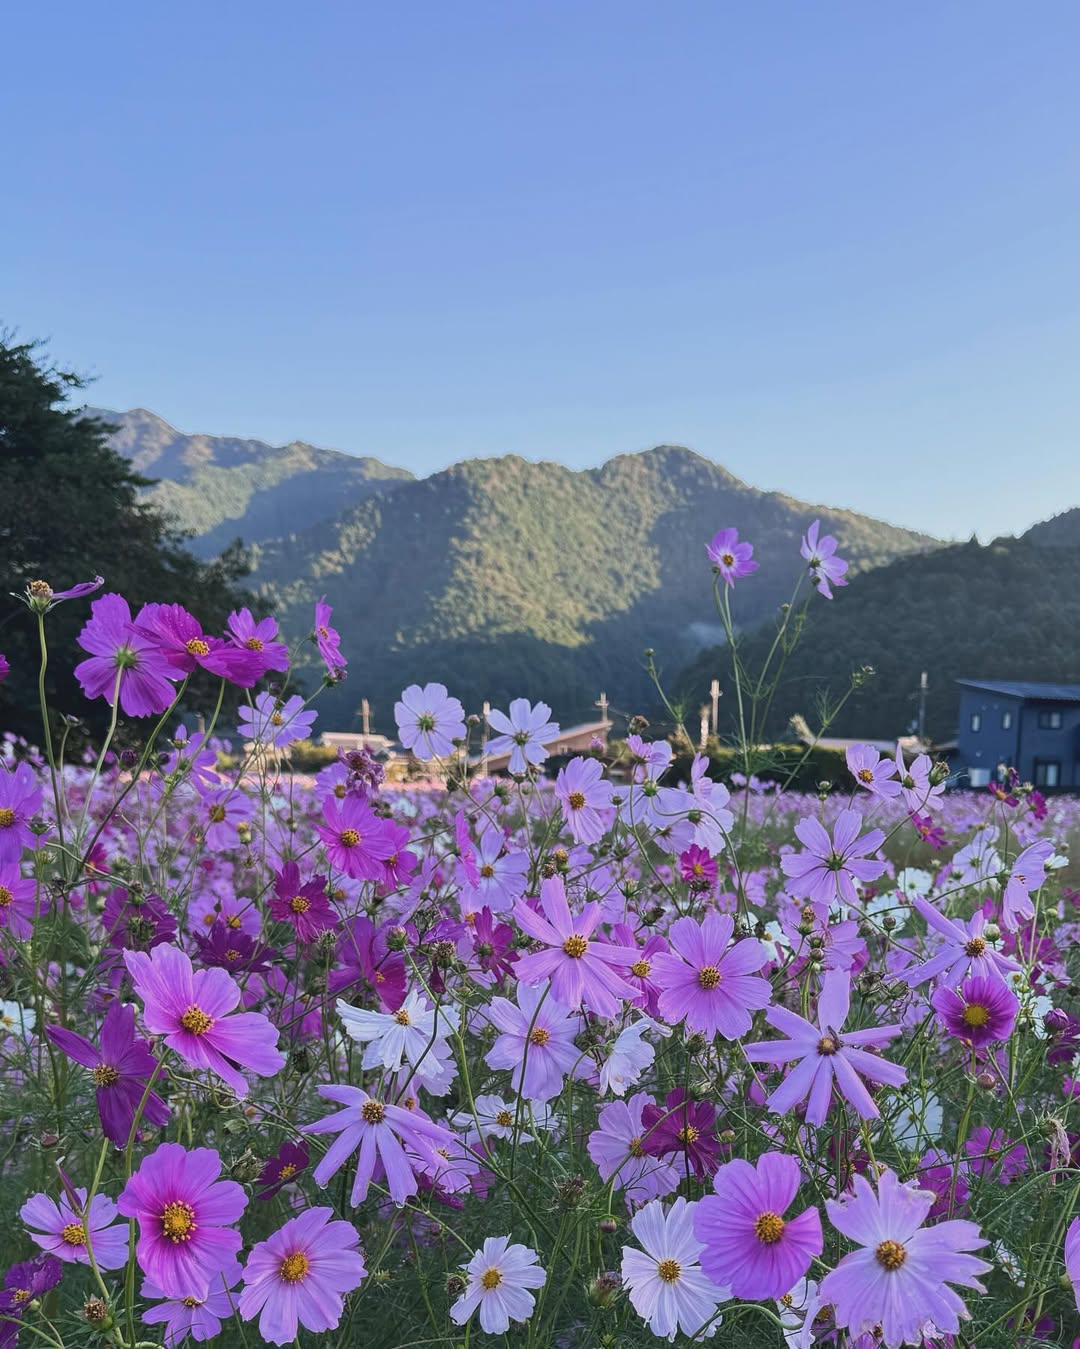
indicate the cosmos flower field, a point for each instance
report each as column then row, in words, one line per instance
column 616, row 1056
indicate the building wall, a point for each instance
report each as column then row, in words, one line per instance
column 981, row 751
column 1050, row 745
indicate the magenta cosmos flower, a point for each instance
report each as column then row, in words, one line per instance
column 825, row 567
column 830, row 868
column 381, row 1132
column 748, row 1245
column 186, row 1214
column 713, row 985
column 616, row 1149
column 984, row 1010
column 579, row 967
column 523, row 734
column 827, row 1055
column 1072, row 1258
column 328, row 640
column 732, row 559
column 300, row 1275
column 18, row 902
column 195, row 1011
column 121, row 1069
column 20, row 801
column 585, row 796
column 1028, row 875
column 429, row 720
column 685, row 1128
column 180, row 636
column 536, row 1042
column 71, row 1233
column 899, row 1278
column 259, row 636
column 116, row 647
column 965, row 950
column 304, row 906
column 357, row 840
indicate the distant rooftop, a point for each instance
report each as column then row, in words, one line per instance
column 1022, row 688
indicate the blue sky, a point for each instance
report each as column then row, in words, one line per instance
column 832, row 246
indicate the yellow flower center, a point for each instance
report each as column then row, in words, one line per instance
column 295, row 1267
column 178, row 1221
column 975, row 1014
column 490, row 1279
column 402, row 1017
column 576, row 800
column 196, row 1021
column 277, row 719
column 865, row 775
column 540, row 1036
column 575, row 946
column 299, row 904
column 487, row 871
column 192, row 1301
column 233, row 921
column 890, row 1255
column 232, row 955
column 504, row 1119
column 634, row 1147
column 20, row 1295
column 975, row 947
column 254, row 644
column 197, row 647
column 769, row 1228
column 7, row 817
column 709, row 976
column 669, row 1270
column 728, row 559
column 105, row 1075
column 6, row 897
column 372, row 1112
column 689, row 1133
column 217, row 814
column 286, row 1171
column 640, row 969
column 74, row 1234
column 348, row 838
column 827, row 1045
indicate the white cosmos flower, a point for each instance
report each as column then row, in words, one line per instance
column 500, row 1276
column 630, row 1056
column 415, row 1033
column 494, row 1118
column 917, row 1122
column 667, row 1286
column 797, row 1312
column 17, row 1020
column 915, row 881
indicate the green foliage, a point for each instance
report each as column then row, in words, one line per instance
column 1006, row 610
column 73, row 510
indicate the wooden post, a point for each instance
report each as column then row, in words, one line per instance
column 704, row 712
column 714, row 694
column 484, row 740
column 365, row 716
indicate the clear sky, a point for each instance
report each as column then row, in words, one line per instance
column 834, row 246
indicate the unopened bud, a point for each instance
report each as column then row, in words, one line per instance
column 1056, row 1020
column 727, row 1135
column 939, row 773
column 696, row 1044
column 397, row 939
column 609, row 1225
column 456, row 1285
column 603, row 1288
column 991, row 932
column 987, row 1081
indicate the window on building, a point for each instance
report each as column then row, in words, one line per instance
column 1047, row 773
column 1049, row 721
column 1006, row 721
column 976, row 721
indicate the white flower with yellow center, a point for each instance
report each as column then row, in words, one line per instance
column 499, row 1278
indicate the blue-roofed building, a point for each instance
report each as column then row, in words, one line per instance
column 1034, row 728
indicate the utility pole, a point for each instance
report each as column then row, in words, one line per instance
column 365, row 716
column 484, row 740
column 921, row 725
column 602, row 704
column 704, row 712
column 714, row 694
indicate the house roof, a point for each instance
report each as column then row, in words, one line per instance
column 1020, row 688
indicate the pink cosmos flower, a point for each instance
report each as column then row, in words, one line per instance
column 984, row 1010
column 899, row 1278
column 536, row 1042
column 357, row 840
column 199, row 1317
column 70, row 1232
column 871, row 771
column 964, row 950
column 824, row 566
column 277, row 723
column 300, row 1275
column 523, row 734
column 429, row 721
column 916, row 789
column 382, row 1133
column 180, row 637
column 121, row 1069
column 749, row 1246
column 579, row 967
column 116, row 646
column 18, row 902
column 195, row 1011
column 223, row 810
column 827, row 1056
column 5, row 667
column 991, row 1153
column 714, row 985
column 328, row 640
column 259, row 636
column 1072, row 1258
column 615, row 1146
column 732, row 559
column 830, row 868
column 186, row 1214
column 698, row 868
column 20, row 801
column 500, row 876
column 1028, row 875
column 585, row 796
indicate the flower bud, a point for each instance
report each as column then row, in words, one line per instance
column 97, row 1313
column 939, row 773
column 991, row 932
column 609, row 1225
column 987, row 1081
column 602, row 1289
column 455, row 1285
column 1056, row 1020
column 397, row 939
column 727, row 1135
column 570, row 1192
